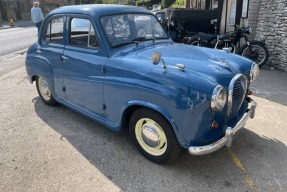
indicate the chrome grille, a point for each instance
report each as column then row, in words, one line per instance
column 236, row 94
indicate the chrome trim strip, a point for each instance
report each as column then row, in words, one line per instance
column 229, row 133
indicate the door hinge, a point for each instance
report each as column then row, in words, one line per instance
column 64, row 89
column 104, row 106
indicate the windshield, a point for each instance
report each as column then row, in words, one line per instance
column 132, row 28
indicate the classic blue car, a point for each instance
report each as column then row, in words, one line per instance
column 93, row 59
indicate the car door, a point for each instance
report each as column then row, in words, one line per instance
column 83, row 62
column 51, row 48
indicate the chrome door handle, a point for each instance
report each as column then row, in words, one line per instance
column 39, row 51
column 64, row 57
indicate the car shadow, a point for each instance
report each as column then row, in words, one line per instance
column 271, row 85
column 116, row 157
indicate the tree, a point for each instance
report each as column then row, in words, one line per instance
column 98, row 1
column 147, row 3
column 178, row 3
column 167, row 3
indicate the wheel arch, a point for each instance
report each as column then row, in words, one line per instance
column 37, row 66
column 134, row 105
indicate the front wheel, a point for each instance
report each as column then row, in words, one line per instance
column 259, row 53
column 193, row 41
column 45, row 92
column 153, row 136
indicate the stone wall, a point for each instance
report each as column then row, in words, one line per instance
column 272, row 27
column 252, row 20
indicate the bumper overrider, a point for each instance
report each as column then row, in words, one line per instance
column 229, row 133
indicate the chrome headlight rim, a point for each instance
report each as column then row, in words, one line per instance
column 254, row 71
column 218, row 99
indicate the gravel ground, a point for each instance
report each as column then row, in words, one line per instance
column 46, row 148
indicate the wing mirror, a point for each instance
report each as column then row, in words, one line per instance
column 156, row 59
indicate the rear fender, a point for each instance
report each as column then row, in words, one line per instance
column 259, row 42
column 39, row 66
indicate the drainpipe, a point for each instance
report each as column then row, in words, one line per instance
column 226, row 9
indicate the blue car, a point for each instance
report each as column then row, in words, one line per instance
column 94, row 60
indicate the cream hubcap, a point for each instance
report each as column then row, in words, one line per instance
column 44, row 88
column 151, row 136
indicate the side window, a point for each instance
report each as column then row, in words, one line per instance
column 160, row 16
column 82, row 33
column 54, row 31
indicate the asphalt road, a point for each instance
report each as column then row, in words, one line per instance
column 14, row 42
column 46, row 148
column 15, row 39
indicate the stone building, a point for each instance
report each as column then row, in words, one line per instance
column 269, row 18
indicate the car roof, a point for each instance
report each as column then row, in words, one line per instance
column 99, row 9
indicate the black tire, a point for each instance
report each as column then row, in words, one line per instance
column 45, row 92
column 162, row 145
column 193, row 41
column 261, row 53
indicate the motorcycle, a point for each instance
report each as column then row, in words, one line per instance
column 254, row 50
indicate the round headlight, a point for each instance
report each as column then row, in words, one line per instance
column 254, row 71
column 218, row 98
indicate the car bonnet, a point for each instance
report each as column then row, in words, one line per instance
column 197, row 59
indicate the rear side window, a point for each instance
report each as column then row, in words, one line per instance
column 54, row 31
column 82, row 33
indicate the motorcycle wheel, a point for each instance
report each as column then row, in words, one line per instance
column 260, row 53
column 193, row 41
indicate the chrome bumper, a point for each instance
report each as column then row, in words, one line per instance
column 227, row 139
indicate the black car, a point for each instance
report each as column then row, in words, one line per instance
column 185, row 22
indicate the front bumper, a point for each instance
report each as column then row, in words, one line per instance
column 228, row 137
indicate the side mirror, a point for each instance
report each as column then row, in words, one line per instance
column 156, row 59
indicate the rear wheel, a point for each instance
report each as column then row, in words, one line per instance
column 153, row 136
column 259, row 53
column 45, row 92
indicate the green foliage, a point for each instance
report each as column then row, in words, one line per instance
column 108, row 1
column 142, row 3
column 167, row 3
column 147, row 3
column 98, row 1
column 178, row 3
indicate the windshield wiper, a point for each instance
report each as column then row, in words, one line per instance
column 136, row 40
column 139, row 39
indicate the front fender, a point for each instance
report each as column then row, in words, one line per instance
column 262, row 42
column 157, row 108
